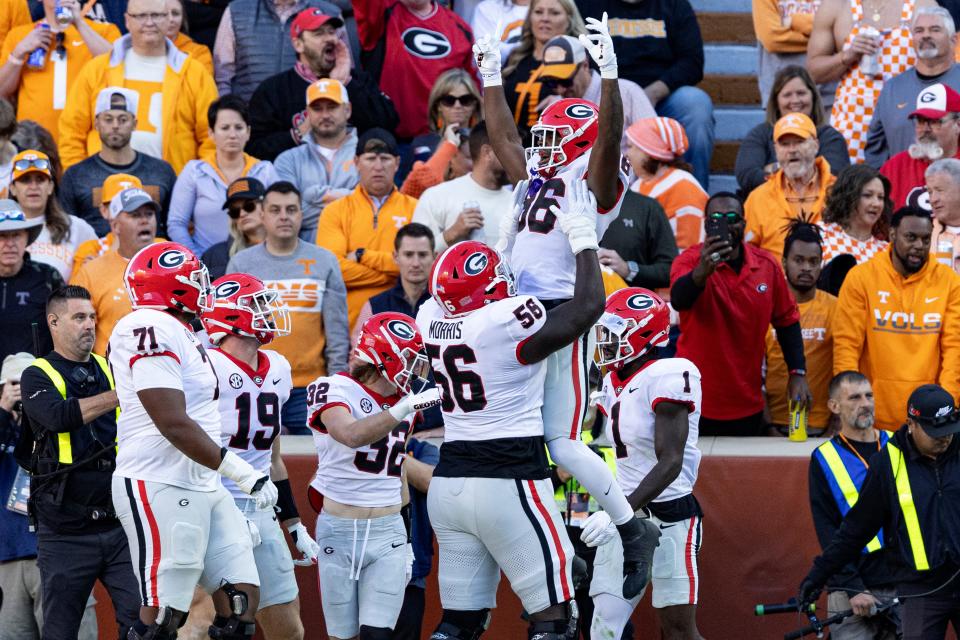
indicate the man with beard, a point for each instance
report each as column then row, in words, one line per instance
column 838, row 468
column 728, row 294
column 802, row 259
column 898, row 320
column 937, row 133
column 934, row 43
column 797, row 190
column 943, row 187
column 81, row 190
column 468, row 207
column 278, row 113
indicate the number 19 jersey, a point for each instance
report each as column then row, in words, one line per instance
column 249, row 407
column 541, row 259
column 368, row 476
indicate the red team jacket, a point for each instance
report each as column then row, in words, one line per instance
column 407, row 53
column 907, row 183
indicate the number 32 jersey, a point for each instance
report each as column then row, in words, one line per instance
column 630, row 407
column 368, row 476
column 541, row 259
column 151, row 349
column 249, row 407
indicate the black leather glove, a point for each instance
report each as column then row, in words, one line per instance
column 808, row 594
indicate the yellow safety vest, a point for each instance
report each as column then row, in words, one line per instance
column 64, row 446
column 907, row 506
column 845, row 482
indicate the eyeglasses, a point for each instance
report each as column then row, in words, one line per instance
column 934, row 124
column 553, row 83
column 731, row 217
column 466, row 100
column 12, row 216
column 39, row 164
column 249, row 206
column 148, row 17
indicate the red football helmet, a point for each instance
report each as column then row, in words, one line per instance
column 469, row 275
column 243, row 306
column 166, row 275
column 391, row 342
column 635, row 320
column 565, row 131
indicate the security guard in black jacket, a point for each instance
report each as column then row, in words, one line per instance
column 912, row 492
column 69, row 398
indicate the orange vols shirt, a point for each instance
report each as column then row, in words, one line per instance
column 103, row 278
column 42, row 93
column 682, row 199
column 816, row 321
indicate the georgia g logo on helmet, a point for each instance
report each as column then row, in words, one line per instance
column 580, row 111
column 171, row 259
column 401, row 329
column 474, row 264
column 226, row 289
column 640, row 302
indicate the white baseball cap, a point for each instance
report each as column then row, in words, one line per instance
column 119, row 98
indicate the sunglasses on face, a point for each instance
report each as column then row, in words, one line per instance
column 249, row 206
column 464, row 101
column 556, row 83
column 732, row 217
column 39, row 164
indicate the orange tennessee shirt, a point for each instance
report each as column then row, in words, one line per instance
column 816, row 320
column 42, row 93
column 103, row 278
column 682, row 199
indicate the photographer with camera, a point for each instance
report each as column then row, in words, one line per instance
column 69, row 398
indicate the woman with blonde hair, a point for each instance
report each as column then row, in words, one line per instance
column 244, row 205
column 521, row 71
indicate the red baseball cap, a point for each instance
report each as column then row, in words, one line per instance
column 936, row 101
column 312, row 18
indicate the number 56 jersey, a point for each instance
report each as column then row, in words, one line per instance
column 250, row 404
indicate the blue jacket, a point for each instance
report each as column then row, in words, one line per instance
column 16, row 540
column 420, row 530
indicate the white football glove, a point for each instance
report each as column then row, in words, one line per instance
column 600, row 47
column 410, row 558
column 248, row 480
column 415, row 402
column 598, row 529
column 510, row 220
column 579, row 223
column 596, row 397
column 305, row 545
column 486, row 53
column 254, row 533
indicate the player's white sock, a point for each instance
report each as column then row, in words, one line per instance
column 610, row 616
column 592, row 472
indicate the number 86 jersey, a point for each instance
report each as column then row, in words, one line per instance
column 250, row 404
column 368, row 476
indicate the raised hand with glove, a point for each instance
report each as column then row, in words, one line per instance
column 579, row 223
column 510, row 222
column 486, row 53
column 257, row 485
column 599, row 45
column 305, row 544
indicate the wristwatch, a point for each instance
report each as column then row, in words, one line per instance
column 359, row 254
column 632, row 270
column 798, row 372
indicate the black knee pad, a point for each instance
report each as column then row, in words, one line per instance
column 163, row 628
column 564, row 629
column 375, row 633
column 462, row 625
column 231, row 628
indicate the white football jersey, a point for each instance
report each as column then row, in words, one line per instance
column 629, row 406
column 150, row 349
column 368, row 476
column 250, row 404
column 487, row 391
column 541, row 259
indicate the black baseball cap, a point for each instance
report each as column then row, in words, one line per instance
column 244, row 189
column 377, row 140
column 933, row 408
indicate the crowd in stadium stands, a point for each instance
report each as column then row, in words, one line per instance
column 334, row 149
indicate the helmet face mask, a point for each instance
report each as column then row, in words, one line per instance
column 269, row 314
column 613, row 347
column 566, row 130
column 546, row 148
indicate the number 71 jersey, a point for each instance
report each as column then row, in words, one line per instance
column 250, row 403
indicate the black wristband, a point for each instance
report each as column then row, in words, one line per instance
column 286, row 505
column 405, row 514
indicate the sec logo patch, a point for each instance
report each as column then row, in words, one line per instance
column 366, row 406
column 235, row 381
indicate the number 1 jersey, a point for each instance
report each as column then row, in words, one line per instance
column 151, row 349
column 541, row 259
column 250, row 404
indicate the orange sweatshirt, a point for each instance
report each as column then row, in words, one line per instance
column 899, row 332
column 784, row 26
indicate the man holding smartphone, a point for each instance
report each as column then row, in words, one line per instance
column 728, row 293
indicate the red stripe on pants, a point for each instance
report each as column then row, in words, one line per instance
column 575, row 367
column 154, row 539
column 556, row 539
column 689, row 559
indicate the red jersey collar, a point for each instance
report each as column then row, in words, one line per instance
column 381, row 400
column 263, row 366
column 620, row 384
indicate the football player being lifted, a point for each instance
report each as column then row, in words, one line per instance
column 254, row 384
column 652, row 410
column 490, row 500
column 360, row 422
column 573, row 141
column 182, row 524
